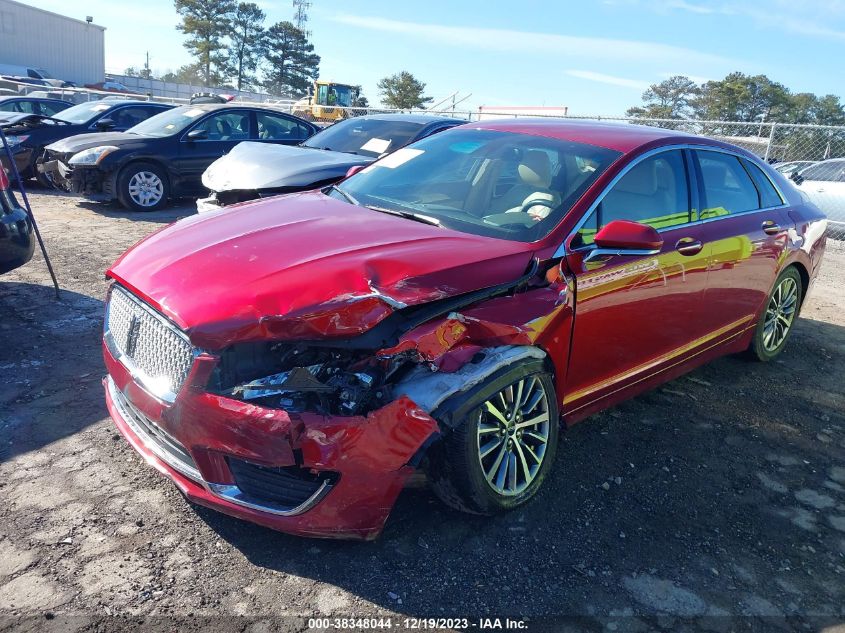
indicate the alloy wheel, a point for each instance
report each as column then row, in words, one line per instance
column 146, row 189
column 780, row 313
column 513, row 435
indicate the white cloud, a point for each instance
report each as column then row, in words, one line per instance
column 815, row 19
column 689, row 6
column 532, row 43
column 608, row 79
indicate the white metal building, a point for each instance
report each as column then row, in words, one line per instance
column 66, row 48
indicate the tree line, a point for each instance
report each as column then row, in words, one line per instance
column 737, row 97
column 232, row 48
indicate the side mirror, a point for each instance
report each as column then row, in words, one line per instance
column 105, row 125
column 197, row 135
column 626, row 237
column 796, row 177
column 354, row 170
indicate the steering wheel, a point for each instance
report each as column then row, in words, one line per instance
column 536, row 202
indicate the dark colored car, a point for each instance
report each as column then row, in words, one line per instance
column 165, row 156
column 29, row 134
column 253, row 170
column 32, row 105
column 447, row 309
column 16, row 239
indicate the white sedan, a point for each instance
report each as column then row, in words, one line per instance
column 824, row 183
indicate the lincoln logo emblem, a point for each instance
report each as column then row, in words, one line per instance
column 132, row 335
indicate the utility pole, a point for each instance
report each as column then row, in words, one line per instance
column 147, row 73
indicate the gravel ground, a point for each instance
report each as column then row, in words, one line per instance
column 714, row 503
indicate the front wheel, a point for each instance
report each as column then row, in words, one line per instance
column 504, row 444
column 777, row 320
column 142, row 187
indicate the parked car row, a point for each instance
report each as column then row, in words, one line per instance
column 144, row 154
column 29, row 133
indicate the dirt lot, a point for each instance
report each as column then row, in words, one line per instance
column 714, row 503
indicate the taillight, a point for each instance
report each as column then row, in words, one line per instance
column 4, row 179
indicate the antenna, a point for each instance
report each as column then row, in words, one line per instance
column 300, row 14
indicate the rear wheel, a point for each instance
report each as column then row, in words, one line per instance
column 777, row 320
column 504, row 445
column 142, row 187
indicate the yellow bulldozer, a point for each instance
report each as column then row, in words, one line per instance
column 327, row 101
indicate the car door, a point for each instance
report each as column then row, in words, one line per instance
column 223, row 129
column 636, row 314
column 745, row 224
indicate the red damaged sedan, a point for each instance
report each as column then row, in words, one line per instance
column 447, row 309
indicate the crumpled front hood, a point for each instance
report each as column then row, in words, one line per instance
column 305, row 266
column 79, row 142
column 253, row 166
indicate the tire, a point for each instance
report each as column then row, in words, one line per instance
column 465, row 480
column 142, row 186
column 40, row 178
column 778, row 318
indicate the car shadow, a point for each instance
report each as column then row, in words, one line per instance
column 50, row 363
column 706, row 484
column 174, row 211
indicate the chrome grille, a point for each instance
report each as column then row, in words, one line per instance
column 157, row 354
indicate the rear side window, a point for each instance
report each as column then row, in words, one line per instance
column 279, row 128
column 653, row 192
column 769, row 196
column 727, row 186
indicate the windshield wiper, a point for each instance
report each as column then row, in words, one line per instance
column 410, row 215
column 348, row 197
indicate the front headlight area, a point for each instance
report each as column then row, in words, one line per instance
column 16, row 139
column 300, row 377
column 92, row 156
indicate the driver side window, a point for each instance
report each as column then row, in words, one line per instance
column 654, row 192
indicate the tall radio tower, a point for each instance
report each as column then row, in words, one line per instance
column 300, row 15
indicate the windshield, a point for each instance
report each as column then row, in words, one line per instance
column 499, row 184
column 84, row 112
column 367, row 137
column 335, row 95
column 168, row 122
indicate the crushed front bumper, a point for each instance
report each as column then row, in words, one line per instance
column 208, row 204
column 342, row 473
column 89, row 182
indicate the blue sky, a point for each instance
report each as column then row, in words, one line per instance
column 594, row 57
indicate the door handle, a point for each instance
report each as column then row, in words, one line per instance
column 771, row 228
column 689, row 246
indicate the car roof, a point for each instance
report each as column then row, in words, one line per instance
column 208, row 107
column 422, row 119
column 28, row 98
column 119, row 102
column 622, row 137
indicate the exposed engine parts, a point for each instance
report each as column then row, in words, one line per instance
column 297, row 377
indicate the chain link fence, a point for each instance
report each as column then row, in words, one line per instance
column 813, row 154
